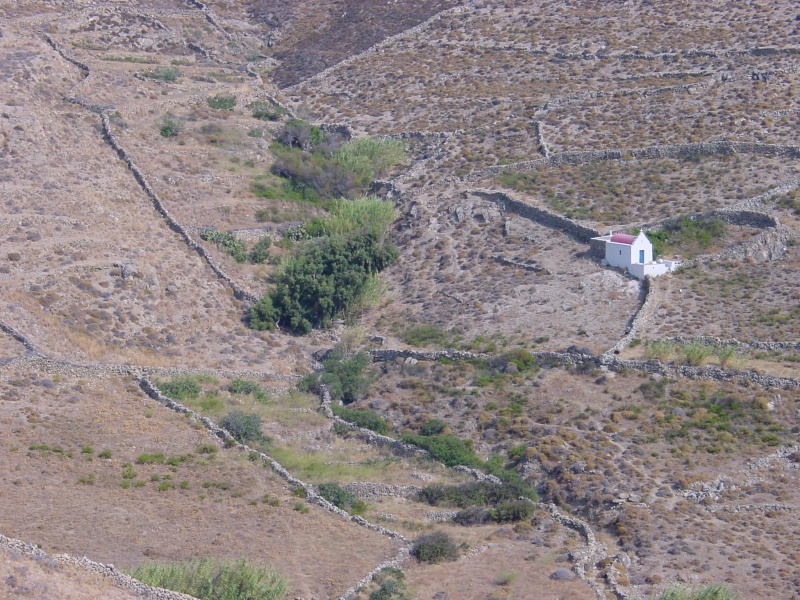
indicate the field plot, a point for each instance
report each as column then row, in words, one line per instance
column 499, row 274
column 165, row 164
column 742, row 109
column 98, row 452
column 617, row 192
column 643, row 456
column 743, row 300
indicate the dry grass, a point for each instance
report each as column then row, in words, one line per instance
column 200, row 517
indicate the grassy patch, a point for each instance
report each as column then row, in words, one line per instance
column 214, row 579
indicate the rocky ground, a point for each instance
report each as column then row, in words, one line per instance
column 611, row 116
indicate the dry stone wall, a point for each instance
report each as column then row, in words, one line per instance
column 611, row 362
column 371, row 492
column 542, row 216
column 238, row 292
column 376, row 49
column 107, row 572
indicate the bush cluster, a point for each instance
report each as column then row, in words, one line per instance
column 180, row 388
column 447, row 449
column 341, row 498
column 235, row 248
column 245, row 428
column 170, row 74
column 687, row 233
column 169, row 126
column 435, row 548
column 478, row 493
column 266, row 111
column 322, row 166
column 222, row 102
column 213, row 579
column 323, row 280
column 368, row 419
column 392, row 585
column 248, row 386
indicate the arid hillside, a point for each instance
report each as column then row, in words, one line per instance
column 548, row 425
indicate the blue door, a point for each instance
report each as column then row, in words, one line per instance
column 641, row 257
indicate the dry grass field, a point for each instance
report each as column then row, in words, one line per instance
column 681, row 480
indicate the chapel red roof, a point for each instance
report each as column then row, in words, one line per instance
column 622, row 238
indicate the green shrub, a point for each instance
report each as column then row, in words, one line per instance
column 226, row 242
column 214, row 579
column 686, row 234
column 207, row 449
column 87, row 450
column 435, row 548
column 87, row 479
column 105, row 454
column 392, row 585
column 520, row 357
column 341, row 498
column 478, row 493
column 243, row 427
column 170, row 74
column 329, row 275
column 433, row 427
column 369, row 158
column 128, row 472
column 696, row 353
column 447, row 449
column 317, row 168
column 712, row 592
column 170, row 126
column 222, row 102
column 345, row 377
column 244, row 386
column 151, row 459
column 510, row 512
column 425, row 335
column 180, row 387
column 259, row 253
column 325, row 279
column 368, row 419
column 474, row 515
column 658, row 349
column 266, row 111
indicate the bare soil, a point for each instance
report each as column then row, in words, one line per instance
column 94, row 276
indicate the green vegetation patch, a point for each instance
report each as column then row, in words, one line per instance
column 329, row 275
column 169, row 74
column 368, row 419
column 214, row 579
column 341, row 498
column 344, row 376
column 322, row 166
column 436, row 547
column 266, row 111
column 180, row 388
column 447, row 449
column 245, row 428
column 391, row 585
column 222, row 102
column 689, row 236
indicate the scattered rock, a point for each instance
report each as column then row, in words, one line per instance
column 562, row 575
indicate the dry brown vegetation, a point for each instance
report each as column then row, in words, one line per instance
column 92, row 274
